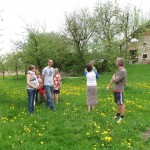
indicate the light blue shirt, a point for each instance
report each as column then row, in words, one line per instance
column 48, row 73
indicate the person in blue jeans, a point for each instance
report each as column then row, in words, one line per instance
column 47, row 77
column 32, row 86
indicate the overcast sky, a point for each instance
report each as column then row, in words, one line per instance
column 16, row 13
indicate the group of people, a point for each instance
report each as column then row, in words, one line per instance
column 119, row 79
column 49, row 83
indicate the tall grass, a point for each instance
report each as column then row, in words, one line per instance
column 71, row 127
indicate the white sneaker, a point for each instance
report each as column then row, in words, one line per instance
column 120, row 120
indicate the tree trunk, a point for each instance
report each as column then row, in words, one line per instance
column 8, row 72
column 80, row 54
column 17, row 73
column 3, row 72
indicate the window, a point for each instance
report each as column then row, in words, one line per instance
column 133, row 54
column 144, row 56
column 145, row 45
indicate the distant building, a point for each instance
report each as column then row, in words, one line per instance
column 139, row 48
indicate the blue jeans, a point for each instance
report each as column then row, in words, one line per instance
column 49, row 94
column 31, row 96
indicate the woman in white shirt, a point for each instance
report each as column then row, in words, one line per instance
column 32, row 86
column 91, row 90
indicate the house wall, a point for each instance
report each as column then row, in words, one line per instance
column 144, row 49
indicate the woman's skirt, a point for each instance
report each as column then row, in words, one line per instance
column 91, row 93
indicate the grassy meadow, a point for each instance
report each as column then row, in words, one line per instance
column 71, row 127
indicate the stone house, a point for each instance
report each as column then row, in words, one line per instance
column 139, row 49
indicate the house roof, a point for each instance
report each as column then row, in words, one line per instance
column 132, row 48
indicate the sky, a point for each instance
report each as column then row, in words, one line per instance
column 16, row 14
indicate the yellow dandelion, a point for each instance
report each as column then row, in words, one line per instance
column 105, row 132
column 108, row 139
column 42, row 142
column 39, row 134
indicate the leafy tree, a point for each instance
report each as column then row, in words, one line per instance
column 41, row 46
column 3, row 66
column 101, row 35
column 107, row 28
column 78, row 31
column 113, row 27
column 14, row 62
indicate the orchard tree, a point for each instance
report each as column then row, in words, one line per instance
column 40, row 46
column 131, row 19
column 106, row 25
column 113, row 28
column 79, row 31
column 3, row 65
column 14, row 62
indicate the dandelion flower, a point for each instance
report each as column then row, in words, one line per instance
column 108, row 139
column 39, row 134
column 42, row 142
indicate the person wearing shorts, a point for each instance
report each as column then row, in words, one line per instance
column 119, row 98
column 57, row 85
column 119, row 81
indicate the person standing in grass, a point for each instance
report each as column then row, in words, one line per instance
column 42, row 91
column 57, row 84
column 47, row 77
column 91, row 88
column 37, row 73
column 32, row 86
column 92, row 64
column 119, row 81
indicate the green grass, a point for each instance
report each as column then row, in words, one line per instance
column 71, row 127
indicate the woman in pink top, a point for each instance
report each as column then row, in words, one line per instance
column 57, row 84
